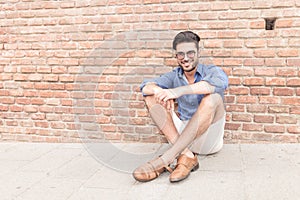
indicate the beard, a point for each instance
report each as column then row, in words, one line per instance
column 185, row 65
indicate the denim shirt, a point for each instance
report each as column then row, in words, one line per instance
column 188, row 104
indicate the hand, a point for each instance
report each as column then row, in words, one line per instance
column 166, row 94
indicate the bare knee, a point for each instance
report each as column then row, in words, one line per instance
column 211, row 101
column 213, row 104
column 150, row 101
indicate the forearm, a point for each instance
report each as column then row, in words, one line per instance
column 201, row 87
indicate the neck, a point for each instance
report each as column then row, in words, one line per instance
column 190, row 76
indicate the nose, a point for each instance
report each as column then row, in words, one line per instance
column 186, row 58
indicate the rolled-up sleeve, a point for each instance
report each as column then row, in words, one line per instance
column 165, row 81
column 216, row 77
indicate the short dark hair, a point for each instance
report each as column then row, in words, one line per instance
column 186, row 36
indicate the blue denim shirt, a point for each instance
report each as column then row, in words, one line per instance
column 188, row 104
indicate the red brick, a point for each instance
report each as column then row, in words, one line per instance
column 269, row 100
column 13, row 108
column 283, row 91
column 293, row 82
column 28, row 69
column 221, row 53
column 253, row 81
column 242, row 71
column 278, row 109
column 219, row 6
column 229, row 99
column 294, row 42
column 261, row 136
column 264, row 71
column 42, row 124
column 256, row 108
column 207, row 16
column 50, row 78
column 252, row 127
column 242, row 117
column 286, row 120
column 285, row 138
column 228, row 15
column 38, row 116
column 41, row 86
column 294, row 129
column 295, row 110
column 16, row 93
column 30, row 93
column 260, row 91
column 227, row 34
column 254, row 62
column 35, row 77
column 246, row 99
column 274, row 129
column 263, row 119
column 23, row 101
column 11, row 123
column 283, row 23
column 235, row 108
column 288, row 53
column 257, row 24
column 275, row 81
column 232, row 126
column 291, row 101
column 30, row 109
column 287, row 72
column 5, row 108
column 293, row 62
column 108, row 128
column 212, row 44
column 255, row 43
column 263, row 53
column 7, row 100
column 57, row 125
column 238, row 90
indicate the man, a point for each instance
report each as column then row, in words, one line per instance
column 199, row 128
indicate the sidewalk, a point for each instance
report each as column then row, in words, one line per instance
column 32, row 171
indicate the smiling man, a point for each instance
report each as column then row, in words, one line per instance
column 197, row 127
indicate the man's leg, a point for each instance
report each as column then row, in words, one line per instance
column 209, row 111
column 199, row 123
column 163, row 119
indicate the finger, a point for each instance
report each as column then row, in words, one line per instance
column 157, row 99
column 168, row 105
column 172, row 105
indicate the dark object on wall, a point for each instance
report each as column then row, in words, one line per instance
column 270, row 23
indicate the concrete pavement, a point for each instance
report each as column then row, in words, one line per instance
column 30, row 171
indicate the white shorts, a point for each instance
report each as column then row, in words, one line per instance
column 209, row 142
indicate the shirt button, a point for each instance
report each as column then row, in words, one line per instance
column 192, row 104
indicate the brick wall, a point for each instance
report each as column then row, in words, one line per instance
column 70, row 70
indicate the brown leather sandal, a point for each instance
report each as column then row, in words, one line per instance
column 150, row 170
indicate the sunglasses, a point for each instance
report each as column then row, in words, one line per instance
column 181, row 55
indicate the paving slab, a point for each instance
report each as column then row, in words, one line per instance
column 31, row 171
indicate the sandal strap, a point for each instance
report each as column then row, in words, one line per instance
column 183, row 160
column 168, row 168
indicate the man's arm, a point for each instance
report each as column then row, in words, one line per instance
column 214, row 81
column 201, row 87
column 151, row 88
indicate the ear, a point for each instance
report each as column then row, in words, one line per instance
column 198, row 53
column 174, row 53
